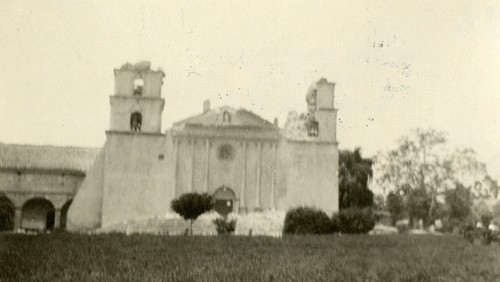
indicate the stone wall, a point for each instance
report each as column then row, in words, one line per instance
column 54, row 189
column 249, row 170
column 267, row 223
column 123, row 107
column 137, row 177
column 86, row 210
column 21, row 186
column 310, row 175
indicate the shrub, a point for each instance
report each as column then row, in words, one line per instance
column 482, row 236
column 354, row 220
column 306, row 220
column 395, row 206
column 495, row 236
column 496, row 212
column 403, row 228
column 477, row 235
column 419, row 203
column 192, row 205
column 459, row 202
column 224, row 226
column 481, row 211
column 467, row 231
column 486, row 220
column 451, row 225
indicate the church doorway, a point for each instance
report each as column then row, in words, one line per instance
column 224, row 200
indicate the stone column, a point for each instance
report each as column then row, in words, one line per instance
column 191, row 182
column 18, row 218
column 259, row 153
column 243, row 205
column 57, row 219
column 273, row 182
column 207, row 164
column 176, row 156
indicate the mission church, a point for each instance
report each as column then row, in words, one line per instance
column 245, row 162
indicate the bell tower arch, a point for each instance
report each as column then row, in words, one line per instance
column 322, row 115
column 137, row 105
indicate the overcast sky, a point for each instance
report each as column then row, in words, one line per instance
column 397, row 64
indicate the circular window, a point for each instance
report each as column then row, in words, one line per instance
column 225, row 152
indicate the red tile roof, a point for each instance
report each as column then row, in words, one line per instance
column 71, row 159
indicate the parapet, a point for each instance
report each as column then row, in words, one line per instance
column 138, row 80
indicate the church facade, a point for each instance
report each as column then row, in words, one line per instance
column 244, row 161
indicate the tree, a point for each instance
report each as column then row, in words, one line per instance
column 459, row 202
column 422, row 161
column 378, row 202
column 481, row 212
column 419, row 203
column 354, row 174
column 496, row 212
column 395, row 206
column 191, row 205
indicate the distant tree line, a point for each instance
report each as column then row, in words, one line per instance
column 428, row 181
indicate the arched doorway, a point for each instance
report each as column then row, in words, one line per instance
column 38, row 214
column 224, row 198
column 64, row 213
column 135, row 121
column 7, row 212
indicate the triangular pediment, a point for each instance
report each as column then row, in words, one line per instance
column 226, row 116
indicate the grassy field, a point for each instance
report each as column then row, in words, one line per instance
column 70, row 257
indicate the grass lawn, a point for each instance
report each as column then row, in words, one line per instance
column 116, row 257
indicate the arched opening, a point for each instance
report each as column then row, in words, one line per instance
column 64, row 214
column 224, row 198
column 7, row 212
column 135, row 121
column 138, row 86
column 226, row 117
column 38, row 214
column 312, row 128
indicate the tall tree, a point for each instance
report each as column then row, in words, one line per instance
column 422, row 161
column 354, row 174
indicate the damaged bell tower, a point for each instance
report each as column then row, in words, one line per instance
column 322, row 115
column 137, row 104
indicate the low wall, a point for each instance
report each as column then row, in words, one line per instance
column 267, row 223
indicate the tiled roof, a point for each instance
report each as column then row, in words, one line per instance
column 215, row 117
column 71, row 159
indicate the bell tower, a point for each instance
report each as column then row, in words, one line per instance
column 322, row 123
column 136, row 105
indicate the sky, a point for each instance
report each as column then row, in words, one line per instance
column 397, row 65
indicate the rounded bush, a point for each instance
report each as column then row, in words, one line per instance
column 452, row 225
column 224, row 226
column 354, row 220
column 306, row 220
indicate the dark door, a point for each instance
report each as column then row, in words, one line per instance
column 223, row 207
column 49, row 222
